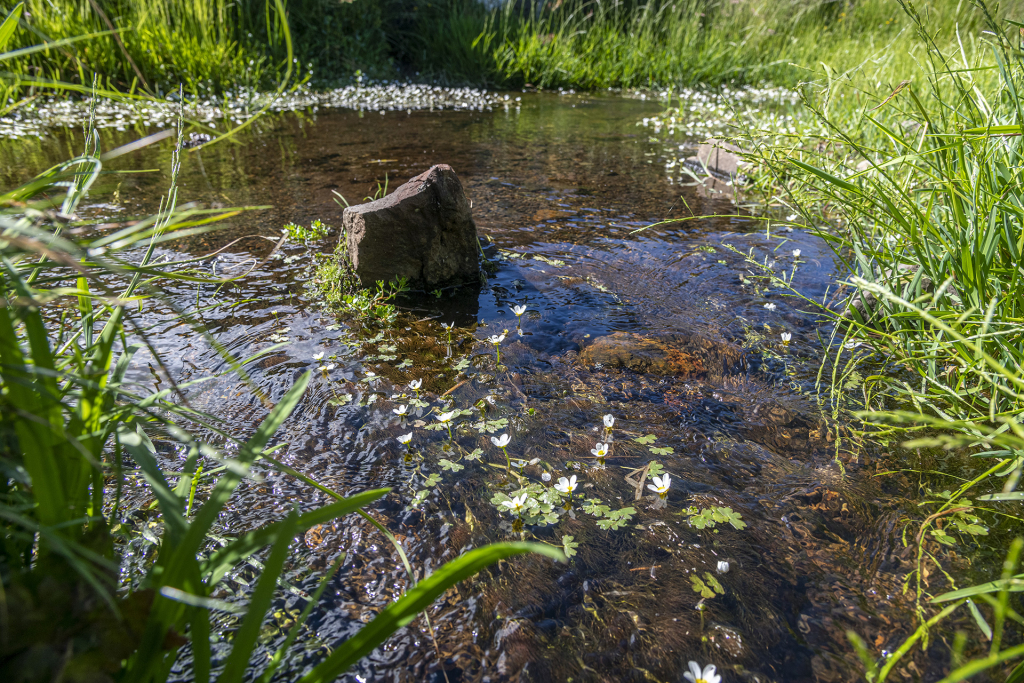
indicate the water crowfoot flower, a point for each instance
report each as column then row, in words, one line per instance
column 599, row 452
column 609, row 422
column 519, row 310
column 566, row 486
column 502, row 443
column 796, row 253
column 723, row 567
column 400, row 411
column 496, row 339
column 786, row 337
column 318, row 356
column 708, row 675
column 516, row 505
column 404, row 439
column 415, row 386
column 446, row 420
column 770, row 307
column 661, row 484
column 448, row 327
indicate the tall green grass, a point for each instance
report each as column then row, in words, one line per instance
column 589, row 44
column 920, row 190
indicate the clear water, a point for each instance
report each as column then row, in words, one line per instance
column 559, row 185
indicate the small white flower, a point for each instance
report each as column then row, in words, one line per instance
column 371, row 374
column 609, row 421
column 496, row 338
column 501, row 441
column 517, row 504
column 445, row 417
column 329, row 367
column 723, row 567
column 770, row 307
column 518, row 310
column 415, row 384
column 405, row 439
column 600, row 450
column 796, row 253
column 400, row 410
column 566, row 485
column 448, row 326
column 786, row 337
column 708, row 675
column 661, row 484
column 318, row 356
column 546, row 476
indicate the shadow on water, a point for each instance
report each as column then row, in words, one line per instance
column 653, row 327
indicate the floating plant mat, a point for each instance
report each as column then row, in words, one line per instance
column 763, row 550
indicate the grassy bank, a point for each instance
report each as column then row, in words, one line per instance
column 918, row 187
column 212, row 46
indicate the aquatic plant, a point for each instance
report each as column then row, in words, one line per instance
column 600, row 451
column 705, row 675
column 496, row 339
column 566, row 486
column 722, row 567
column 502, row 443
column 786, row 337
column 661, row 485
column 415, row 386
column 299, row 233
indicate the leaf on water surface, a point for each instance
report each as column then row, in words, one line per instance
column 699, row 587
column 655, row 469
column 646, row 440
column 475, row 455
column 433, row 480
column 665, row 450
column 418, row 499
column 450, row 466
column 569, row 546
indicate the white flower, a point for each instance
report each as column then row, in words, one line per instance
column 501, row 441
column 708, row 675
column 770, row 307
column 415, row 384
column 446, row 417
column 600, row 450
column 546, row 476
column 723, row 567
column 448, row 326
column 786, row 337
column 661, row 484
column 796, row 253
column 318, row 356
column 405, row 439
column 496, row 338
column 609, row 421
column 329, row 367
column 371, row 373
column 518, row 310
column 566, row 485
column 517, row 504
column 400, row 410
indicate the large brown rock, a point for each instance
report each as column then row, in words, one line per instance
column 683, row 355
column 423, row 231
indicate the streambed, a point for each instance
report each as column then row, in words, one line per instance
column 559, row 184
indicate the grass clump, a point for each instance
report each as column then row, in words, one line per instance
column 335, row 282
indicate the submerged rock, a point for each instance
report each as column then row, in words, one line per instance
column 720, row 158
column 423, row 231
column 674, row 354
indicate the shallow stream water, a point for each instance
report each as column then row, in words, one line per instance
column 559, row 184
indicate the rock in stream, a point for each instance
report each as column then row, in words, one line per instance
column 423, row 231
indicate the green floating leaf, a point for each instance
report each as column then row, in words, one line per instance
column 646, row 440
column 450, row 466
column 665, row 450
column 700, row 587
column 569, row 546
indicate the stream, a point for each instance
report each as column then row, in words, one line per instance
column 560, row 184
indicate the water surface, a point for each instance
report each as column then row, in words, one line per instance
column 559, row 186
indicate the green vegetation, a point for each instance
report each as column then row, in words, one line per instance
column 76, row 432
column 918, row 187
column 213, row 46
